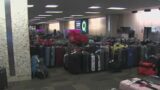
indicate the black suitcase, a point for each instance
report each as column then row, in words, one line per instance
column 3, row 79
column 75, row 63
column 115, row 63
column 124, row 57
column 65, row 61
column 85, row 62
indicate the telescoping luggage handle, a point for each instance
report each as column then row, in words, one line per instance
column 146, row 84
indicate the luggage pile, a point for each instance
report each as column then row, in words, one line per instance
column 82, row 62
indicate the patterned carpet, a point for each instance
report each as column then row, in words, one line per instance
column 60, row 79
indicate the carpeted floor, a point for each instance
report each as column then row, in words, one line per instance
column 60, row 79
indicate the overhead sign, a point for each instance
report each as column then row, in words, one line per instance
column 82, row 24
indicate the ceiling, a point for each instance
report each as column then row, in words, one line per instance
column 70, row 7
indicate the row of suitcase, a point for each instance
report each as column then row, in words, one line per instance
column 82, row 62
column 51, row 55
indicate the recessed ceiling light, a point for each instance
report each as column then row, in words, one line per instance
column 51, row 6
column 44, row 15
column 76, row 15
column 54, row 11
column 39, row 17
column 94, row 7
column 92, row 12
column 29, row 6
column 116, row 8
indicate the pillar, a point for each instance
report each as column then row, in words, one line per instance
column 14, row 39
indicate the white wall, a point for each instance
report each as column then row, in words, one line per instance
column 142, row 19
column 97, row 26
column 54, row 25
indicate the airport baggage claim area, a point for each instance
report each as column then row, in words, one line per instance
column 80, row 45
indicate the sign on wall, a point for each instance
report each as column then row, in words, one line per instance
column 82, row 24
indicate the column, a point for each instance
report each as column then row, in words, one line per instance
column 15, row 39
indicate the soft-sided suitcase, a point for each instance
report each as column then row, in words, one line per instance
column 137, row 84
column 75, row 63
column 3, row 79
column 59, row 52
column 147, row 68
column 47, row 56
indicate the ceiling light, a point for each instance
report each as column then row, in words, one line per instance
column 54, row 11
column 68, row 17
column 76, row 15
column 92, row 12
column 116, row 8
column 39, row 17
column 94, row 7
column 51, row 6
column 41, row 22
column 29, row 6
column 44, row 15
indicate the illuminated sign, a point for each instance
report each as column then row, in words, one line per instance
column 82, row 24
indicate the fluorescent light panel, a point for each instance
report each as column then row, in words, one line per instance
column 39, row 17
column 68, row 17
column 51, row 6
column 76, row 15
column 54, row 11
column 44, row 15
column 94, row 7
column 29, row 6
column 116, row 8
column 92, row 12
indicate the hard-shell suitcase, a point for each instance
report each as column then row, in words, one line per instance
column 105, row 57
column 52, row 57
column 75, row 63
column 65, row 61
column 124, row 57
column 137, row 84
column 147, row 68
column 131, row 61
column 59, row 52
column 3, row 79
column 47, row 56
column 94, row 62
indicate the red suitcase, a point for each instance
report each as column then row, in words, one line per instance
column 147, row 68
column 59, row 55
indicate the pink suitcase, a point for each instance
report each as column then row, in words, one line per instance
column 133, row 85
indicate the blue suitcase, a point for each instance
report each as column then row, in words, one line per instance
column 52, row 57
column 131, row 61
column 47, row 56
